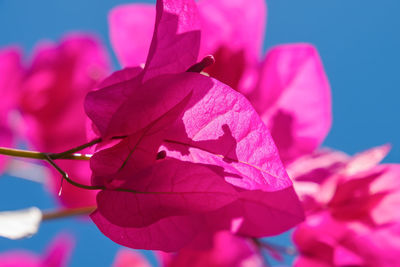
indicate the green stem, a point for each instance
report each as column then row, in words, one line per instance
column 67, row 153
column 39, row 155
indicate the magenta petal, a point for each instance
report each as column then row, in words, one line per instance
column 168, row 234
column 168, row 188
column 119, row 77
column 221, row 26
column 281, row 209
column 176, row 39
column 100, row 105
column 166, row 98
column 294, row 99
column 110, row 106
column 152, row 101
column 113, row 165
column 259, row 214
column 131, row 27
column 220, row 127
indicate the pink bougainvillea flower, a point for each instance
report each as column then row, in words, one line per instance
column 355, row 208
column 227, row 250
column 324, row 241
column 10, row 73
column 52, row 93
column 316, row 176
column 194, row 159
column 130, row 258
column 275, row 86
column 56, row 255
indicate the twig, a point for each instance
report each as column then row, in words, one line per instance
column 67, row 213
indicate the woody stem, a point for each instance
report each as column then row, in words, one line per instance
column 38, row 155
column 66, row 177
column 67, row 213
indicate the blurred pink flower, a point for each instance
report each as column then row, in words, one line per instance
column 195, row 157
column 275, row 86
column 130, row 258
column 227, row 251
column 52, row 91
column 324, row 241
column 10, row 75
column 352, row 207
column 57, row 255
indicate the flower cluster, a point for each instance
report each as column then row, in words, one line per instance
column 195, row 157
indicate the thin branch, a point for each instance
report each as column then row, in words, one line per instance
column 65, row 176
column 67, row 213
column 68, row 154
column 38, row 155
column 74, row 150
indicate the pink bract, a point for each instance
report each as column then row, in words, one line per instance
column 57, row 255
column 53, row 89
column 194, row 159
column 276, row 86
column 293, row 99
